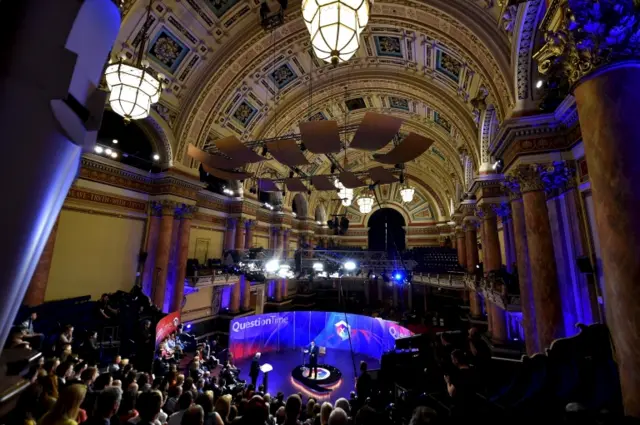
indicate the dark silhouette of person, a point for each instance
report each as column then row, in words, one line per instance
column 255, row 369
column 314, row 350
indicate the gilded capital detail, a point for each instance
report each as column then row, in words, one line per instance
column 583, row 36
column 528, row 177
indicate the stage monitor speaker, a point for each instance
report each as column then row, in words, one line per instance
column 584, row 265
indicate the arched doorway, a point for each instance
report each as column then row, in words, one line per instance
column 385, row 228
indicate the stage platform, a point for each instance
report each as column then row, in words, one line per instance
column 336, row 376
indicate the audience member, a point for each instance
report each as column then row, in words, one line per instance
column 364, row 382
column 338, row 417
column 185, row 401
column 107, row 404
column 66, row 408
column 149, row 405
column 292, row 410
column 423, row 416
column 325, row 412
column 194, row 415
column 223, row 408
column 29, row 335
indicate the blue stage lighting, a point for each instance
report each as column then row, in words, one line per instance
column 398, row 276
column 188, row 325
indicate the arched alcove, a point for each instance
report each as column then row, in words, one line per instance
column 386, row 232
column 320, row 214
column 299, row 205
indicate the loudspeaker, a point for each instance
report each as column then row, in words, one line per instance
column 584, row 265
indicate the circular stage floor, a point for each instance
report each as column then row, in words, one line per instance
column 287, row 363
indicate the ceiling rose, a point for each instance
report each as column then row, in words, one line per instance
column 335, row 27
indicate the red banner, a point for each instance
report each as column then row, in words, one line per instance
column 166, row 325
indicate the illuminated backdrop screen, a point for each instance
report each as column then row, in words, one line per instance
column 294, row 329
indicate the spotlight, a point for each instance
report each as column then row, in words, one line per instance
column 188, row 324
column 319, row 222
column 115, row 142
column 349, row 266
column 156, row 157
column 318, row 267
column 539, row 84
column 373, row 276
column 397, row 276
column 272, row 266
column 98, row 149
column 114, row 155
column 108, row 151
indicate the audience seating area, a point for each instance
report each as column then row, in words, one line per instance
column 434, row 259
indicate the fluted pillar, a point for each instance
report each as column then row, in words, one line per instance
column 38, row 284
column 240, row 230
column 248, row 240
column 163, row 252
column 229, row 234
column 499, row 324
column 284, row 285
column 186, row 215
column 234, row 304
column 280, row 241
column 278, row 290
column 546, row 292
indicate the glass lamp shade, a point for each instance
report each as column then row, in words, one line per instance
column 407, row 193
column 133, row 90
column 335, row 27
column 365, row 203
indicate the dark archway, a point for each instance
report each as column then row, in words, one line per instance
column 385, row 228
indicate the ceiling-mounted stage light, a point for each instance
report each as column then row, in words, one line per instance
column 272, row 266
column 349, row 266
column 345, row 194
column 318, row 267
column 335, row 27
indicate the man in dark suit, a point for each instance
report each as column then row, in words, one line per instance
column 255, row 369
column 313, row 359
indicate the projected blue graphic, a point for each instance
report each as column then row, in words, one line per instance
column 290, row 330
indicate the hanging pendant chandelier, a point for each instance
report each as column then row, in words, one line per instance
column 134, row 86
column 365, row 203
column 335, row 27
column 407, row 193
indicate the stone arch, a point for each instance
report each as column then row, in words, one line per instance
column 301, row 204
column 529, row 14
column 161, row 136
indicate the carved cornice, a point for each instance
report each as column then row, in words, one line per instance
column 554, row 178
column 528, row 177
column 585, row 36
column 537, row 133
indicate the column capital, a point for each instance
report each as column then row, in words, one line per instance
column 502, row 210
column 559, row 177
column 231, row 223
column 166, row 207
column 251, row 223
column 512, row 187
column 486, row 211
column 528, row 177
column 186, row 212
column 470, row 223
column 583, row 37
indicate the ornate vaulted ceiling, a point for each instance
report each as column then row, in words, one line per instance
column 423, row 61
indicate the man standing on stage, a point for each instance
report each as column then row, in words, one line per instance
column 255, row 369
column 313, row 359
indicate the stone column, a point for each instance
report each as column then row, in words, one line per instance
column 186, row 215
column 229, row 234
column 278, row 289
column 461, row 246
column 248, row 240
column 285, row 243
column 285, row 291
column 499, row 325
column 488, row 310
column 280, row 241
column 240, row 229
column 38, row 284
column 163, row 251
column 234, row 304
column 151, row 248
column 492, row 256
column 470, row 237
column 524, row 271
column 546, row 293
column 246, row 293
column 471, row 240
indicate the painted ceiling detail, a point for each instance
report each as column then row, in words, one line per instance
column 167, row 50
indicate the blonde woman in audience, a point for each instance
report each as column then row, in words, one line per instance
column 325, row 412
column 223, row 407
column 66, row 408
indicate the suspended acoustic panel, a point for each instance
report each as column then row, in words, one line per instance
column 381, row 176
column 226, row 175
column 212, row 161
column 350, row 181
column 320, row 136
column 267, row 185
column 409, row 149
column 287, row 152
column 295, row 185
column 375, row 131
column 322, row 183
column 234, row 148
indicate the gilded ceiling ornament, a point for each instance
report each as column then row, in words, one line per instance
column 509, row 18
column 584, row 35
